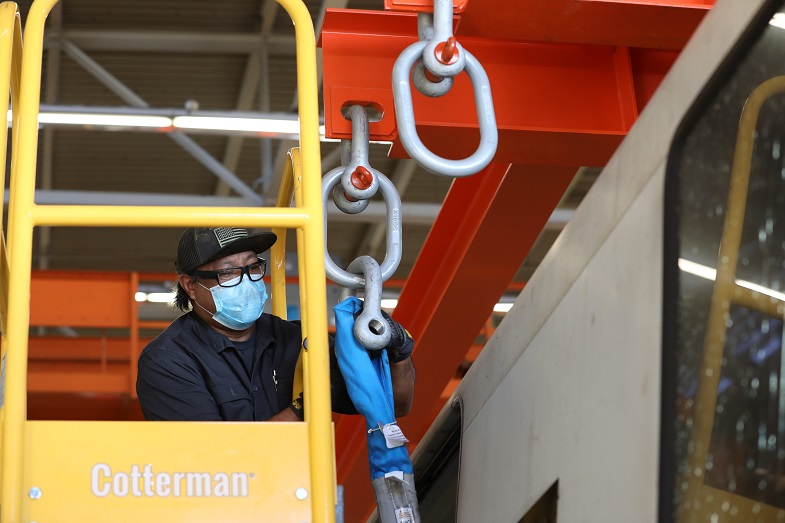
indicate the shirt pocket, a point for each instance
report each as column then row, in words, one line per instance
column 233, row 402
column 284, row 391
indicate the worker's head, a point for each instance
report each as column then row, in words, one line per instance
column 220, row 274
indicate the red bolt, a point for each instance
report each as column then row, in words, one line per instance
column 362, row 178
column 447, row 52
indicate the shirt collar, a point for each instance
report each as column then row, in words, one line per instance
column 218, row 342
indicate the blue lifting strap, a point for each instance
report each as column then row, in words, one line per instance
column 367, row 376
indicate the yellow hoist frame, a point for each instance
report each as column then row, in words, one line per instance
column 175, row 471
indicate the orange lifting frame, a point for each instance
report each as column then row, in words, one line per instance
column 307, row 218
column 569, row 78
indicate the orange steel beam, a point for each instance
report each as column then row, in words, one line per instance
column 61, row 348
column 86, row 381
column 556, row 104
column 485, row 229
column 665, row 24
column 89, row 299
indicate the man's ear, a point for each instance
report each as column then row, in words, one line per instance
column 188, row 283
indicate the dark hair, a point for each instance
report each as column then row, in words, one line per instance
column 181, row 300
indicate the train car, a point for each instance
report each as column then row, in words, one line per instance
column 639, row 375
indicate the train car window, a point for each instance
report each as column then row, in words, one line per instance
column 723, row 437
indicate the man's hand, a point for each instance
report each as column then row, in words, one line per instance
column 401, row 343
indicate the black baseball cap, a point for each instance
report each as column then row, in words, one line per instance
column 202, row 245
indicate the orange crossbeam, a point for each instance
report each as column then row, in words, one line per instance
column 86, row 381
column 61, row 348
column 656, row 24
column 556, row 104
column 475, row 247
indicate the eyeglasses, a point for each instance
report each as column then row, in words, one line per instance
column 226, row 277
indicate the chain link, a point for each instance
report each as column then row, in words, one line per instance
column 351, row 186
column 440, row 55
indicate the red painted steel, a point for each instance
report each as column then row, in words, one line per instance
column 421, row 6
column 65, row 298
column 655, row 24
column 486, row 227
column 556, row 104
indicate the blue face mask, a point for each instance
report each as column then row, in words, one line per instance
column 240, row 306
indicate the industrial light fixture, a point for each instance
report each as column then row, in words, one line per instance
column 778, row 20
column 251, row 125
column 104, row 120
column 280, row 125
column 100, row 120
column 502, row 307
column 154, row 297
column 708, row 273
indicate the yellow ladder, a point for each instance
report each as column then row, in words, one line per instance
column 179, row 471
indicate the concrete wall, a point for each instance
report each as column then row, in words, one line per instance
column 569, row 386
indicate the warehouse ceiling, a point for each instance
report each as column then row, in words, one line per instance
column 173, row 55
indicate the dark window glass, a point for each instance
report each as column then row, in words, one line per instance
column 724, row 374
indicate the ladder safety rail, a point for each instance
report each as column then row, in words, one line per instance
column 289, row 190
column 697, row 500
column 10, row 77
column 22, row 440
column 441, row 58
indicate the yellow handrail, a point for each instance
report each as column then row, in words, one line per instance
column 10, row 77
column 307, row 218
column 290, row 189
column 11, row 53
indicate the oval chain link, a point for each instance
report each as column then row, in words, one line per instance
column 351, row 186
column 443, row 57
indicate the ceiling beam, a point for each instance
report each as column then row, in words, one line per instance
column 133, row 99
column 248, row 89
column 51, row 90
column 234, row 145
column 285, row 145
column 173, row 42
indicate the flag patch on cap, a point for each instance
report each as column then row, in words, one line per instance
column 226, row 235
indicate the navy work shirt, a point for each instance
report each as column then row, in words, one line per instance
column 191, row 372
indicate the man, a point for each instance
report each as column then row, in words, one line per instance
column 226, row 359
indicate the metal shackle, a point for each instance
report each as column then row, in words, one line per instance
column 429, row 86
column 392, row 257
column 370, row 327
column 434, row 54
column 404, row 113
column 359, row 180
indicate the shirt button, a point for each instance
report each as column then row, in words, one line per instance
column 256, row 389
